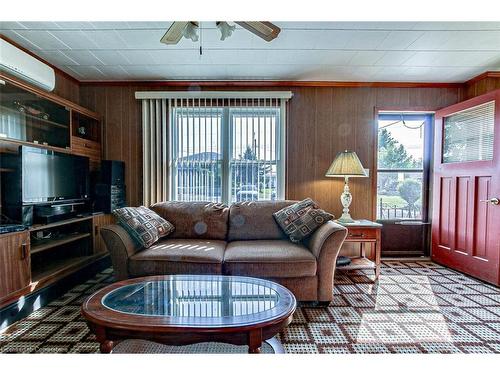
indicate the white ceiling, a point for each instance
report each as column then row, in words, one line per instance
column 305, row 51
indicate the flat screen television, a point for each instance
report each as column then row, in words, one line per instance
column 50, row 176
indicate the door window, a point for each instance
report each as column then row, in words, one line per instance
column 468, row 135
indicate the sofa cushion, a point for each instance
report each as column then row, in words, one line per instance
column 301, row 219
column 198, row 220
column 178, row 256
column 268, row 258
column 255, row 221
column 142, row 224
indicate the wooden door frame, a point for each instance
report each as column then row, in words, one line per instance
column 428, row 145
column 428, row 148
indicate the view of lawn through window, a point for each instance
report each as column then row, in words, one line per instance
column 400, row 166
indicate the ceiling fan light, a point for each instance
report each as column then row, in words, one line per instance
column 226, row 30
column 191, row 31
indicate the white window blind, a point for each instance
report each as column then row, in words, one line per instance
column 468, row 135
column 154, row 151
column 196, row 145
column 222, row 146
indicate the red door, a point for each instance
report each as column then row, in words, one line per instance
column 466, row 189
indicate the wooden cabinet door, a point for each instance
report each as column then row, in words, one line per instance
column 465, row 229
column 88, row 148
column 99, row 221
column 15, row 273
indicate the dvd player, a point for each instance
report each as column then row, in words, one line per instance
column 46, row 214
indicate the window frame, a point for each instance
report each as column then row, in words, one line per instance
column 427, row 156
column 227, row 113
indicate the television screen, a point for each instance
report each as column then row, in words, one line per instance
column 53, row 176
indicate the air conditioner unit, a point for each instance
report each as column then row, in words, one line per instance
column 18, row 63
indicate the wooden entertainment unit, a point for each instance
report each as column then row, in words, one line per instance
column 28, row 263
column 46, row 253
column 45, row 120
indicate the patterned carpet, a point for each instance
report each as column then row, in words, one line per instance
column 416, row 307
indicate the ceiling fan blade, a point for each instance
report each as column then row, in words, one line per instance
column 174, row 32
column 263, row 29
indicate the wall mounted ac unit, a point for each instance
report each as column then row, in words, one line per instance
column 18, row 63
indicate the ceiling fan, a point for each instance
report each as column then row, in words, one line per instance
column 188, row 29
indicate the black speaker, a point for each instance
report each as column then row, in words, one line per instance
column 109, row 197
column 112, row 172
column 109, row 187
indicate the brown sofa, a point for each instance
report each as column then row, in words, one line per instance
column 242, row 239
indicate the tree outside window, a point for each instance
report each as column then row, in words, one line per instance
column 400, row 169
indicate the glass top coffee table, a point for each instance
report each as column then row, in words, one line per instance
column 187, row 309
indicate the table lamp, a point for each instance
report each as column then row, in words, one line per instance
column 346, row 164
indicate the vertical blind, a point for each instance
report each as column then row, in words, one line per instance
column 12, row 125
column 154, row 150
column 468, row 135
column 213, row 146
column 196, row 158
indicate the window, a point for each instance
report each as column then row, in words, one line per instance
column 254, row 153
column 468, row 135
column 403, row 162
column 197, row 161
column 227, row 151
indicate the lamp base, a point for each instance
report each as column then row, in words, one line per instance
column 346, row 199
column 345, row 218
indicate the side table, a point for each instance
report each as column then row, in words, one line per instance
column 362, row 232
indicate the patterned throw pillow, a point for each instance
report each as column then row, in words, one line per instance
column 301, row 219
column 143, row 225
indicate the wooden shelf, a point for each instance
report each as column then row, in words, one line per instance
column 49, row 96
column 32, row 144
column 91, row 126
column 58, row 268
column 33, row 117
column 38, row 227
column 53, row 133
column 50, row 243
column 358, row 264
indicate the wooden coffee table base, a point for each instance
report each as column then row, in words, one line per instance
column 254, row 338
column 119, row 312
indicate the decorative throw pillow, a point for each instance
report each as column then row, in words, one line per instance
column 301, row 219
column 144, row 226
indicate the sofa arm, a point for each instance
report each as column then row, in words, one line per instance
column 120, row 246
column 325, row 244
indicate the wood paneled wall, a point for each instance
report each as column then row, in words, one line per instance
column 321, row 122
column 483, row 84
column 324, row 121
column 67, row 87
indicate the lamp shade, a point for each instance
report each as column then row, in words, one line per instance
column 346, row 164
